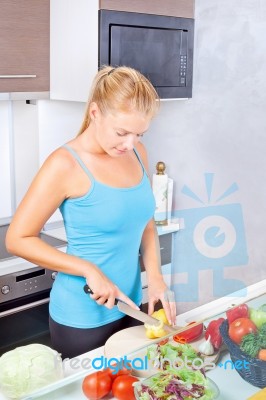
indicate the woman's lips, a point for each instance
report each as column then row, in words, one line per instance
column 120, row 151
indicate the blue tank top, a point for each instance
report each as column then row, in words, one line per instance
column 104, row 226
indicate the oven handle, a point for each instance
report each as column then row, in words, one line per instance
column 25, row 307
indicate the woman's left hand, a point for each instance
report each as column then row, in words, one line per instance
column 158, row 290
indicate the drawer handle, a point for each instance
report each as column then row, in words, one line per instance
column 161, row 248
column 17, row 76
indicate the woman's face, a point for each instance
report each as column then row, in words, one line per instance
column 117, row 133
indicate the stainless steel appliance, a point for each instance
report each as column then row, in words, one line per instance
column 24, row 297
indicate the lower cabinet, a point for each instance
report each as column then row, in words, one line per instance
column 166, row 258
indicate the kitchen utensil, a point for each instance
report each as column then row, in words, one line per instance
column 137, row 314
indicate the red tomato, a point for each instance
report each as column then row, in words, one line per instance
column 122, row 387
column 164, row 341
column 189, row 334
column 122, row 370
column 239, row 328
column 96, row 385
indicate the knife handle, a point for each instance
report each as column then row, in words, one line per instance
column 88, row 290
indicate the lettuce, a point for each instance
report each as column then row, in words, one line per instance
column 28, row 368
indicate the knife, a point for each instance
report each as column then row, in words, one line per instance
column 137, row 314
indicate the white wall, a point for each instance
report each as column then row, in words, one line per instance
column 220, row 131
column 59, row 121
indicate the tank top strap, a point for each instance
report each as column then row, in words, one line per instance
column 141, row 163
column 79, row 160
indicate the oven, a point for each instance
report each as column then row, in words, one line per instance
column 24, row 297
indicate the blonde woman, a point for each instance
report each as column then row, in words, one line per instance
column 99, row 182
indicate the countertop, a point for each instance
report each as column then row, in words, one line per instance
column 231, row 385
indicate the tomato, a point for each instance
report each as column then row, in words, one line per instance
column 164, row 341
column 122, row 369
column 189, row 334
column 96, row 385
column 122, row 387
column 239, row 328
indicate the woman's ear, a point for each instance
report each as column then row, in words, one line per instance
column 94, row 111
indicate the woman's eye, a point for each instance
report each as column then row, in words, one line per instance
column 120, row 134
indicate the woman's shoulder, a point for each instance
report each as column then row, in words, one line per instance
column 60, row 160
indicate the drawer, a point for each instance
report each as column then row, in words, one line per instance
column 165, row 250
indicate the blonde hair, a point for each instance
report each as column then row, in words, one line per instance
column 121, row 89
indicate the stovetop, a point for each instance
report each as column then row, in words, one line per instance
column 5, row 255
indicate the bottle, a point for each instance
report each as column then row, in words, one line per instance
column 159, row 187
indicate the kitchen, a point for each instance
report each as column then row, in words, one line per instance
column 210, row 141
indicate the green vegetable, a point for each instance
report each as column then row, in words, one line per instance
column 258, row 316
column 262, row 336
column 250, row 344
column 182, row 384
column 28, row 368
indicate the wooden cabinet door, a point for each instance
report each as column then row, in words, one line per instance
column 24, row 45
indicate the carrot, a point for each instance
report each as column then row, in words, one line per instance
column 262, row 354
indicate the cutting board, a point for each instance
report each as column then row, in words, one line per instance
column 130, row 340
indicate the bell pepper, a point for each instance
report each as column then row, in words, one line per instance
column 155, row 331
column 214, row 332
column 189, row 334
column 234, row 313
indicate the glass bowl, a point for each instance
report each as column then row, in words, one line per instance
column 210, row 383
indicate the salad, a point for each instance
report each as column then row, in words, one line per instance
column 183, row 384
column 176, row 355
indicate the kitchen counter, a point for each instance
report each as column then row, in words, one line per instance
column 231, row 385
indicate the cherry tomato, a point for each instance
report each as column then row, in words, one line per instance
column 96, row 385
column 239, row 328
column 189, row 334
column 122, row 387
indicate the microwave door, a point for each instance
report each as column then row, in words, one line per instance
column 154, row 52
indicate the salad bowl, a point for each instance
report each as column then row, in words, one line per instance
column 184, row 385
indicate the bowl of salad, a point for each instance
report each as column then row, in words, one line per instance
column 183, row 384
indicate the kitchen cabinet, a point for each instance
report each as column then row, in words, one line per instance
column 24, row 46
column 166, row 251
column 73, row 48
column 74, row 39
column 5, row 161
column 175, row 8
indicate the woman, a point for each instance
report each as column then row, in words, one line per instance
column 99, row 182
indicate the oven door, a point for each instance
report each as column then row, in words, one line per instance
column 24, row 321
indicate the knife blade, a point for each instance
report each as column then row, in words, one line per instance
column 137, row 314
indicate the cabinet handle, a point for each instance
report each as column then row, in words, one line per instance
column 17, row 76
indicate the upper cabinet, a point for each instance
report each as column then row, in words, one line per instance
column 74, row 48
column 24, row 46
column 175, row 8
column 156, row 38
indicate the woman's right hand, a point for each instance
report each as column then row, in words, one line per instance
column 105, row 291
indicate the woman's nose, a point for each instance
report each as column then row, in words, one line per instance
column 130, row 142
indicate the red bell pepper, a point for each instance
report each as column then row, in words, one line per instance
column 234, row 313
column 214, row 332
column 190, row 334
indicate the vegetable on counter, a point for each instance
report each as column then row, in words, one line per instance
column 258, row 316
column 183, row 384
column 189, row 334
column 239, row 328
column 241, row 311
column 29, row 368
column 254, row 344
column 206, row 347
column 214, row 332
column 99, row 384
column 154, row 331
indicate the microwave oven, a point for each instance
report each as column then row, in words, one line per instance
column 159, row 46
